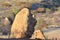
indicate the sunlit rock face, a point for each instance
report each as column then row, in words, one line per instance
column 37, row 34
column 23, row 25
column 19, row 25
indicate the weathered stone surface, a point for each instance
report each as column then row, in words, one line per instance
column 6, row 21
column 4, row 25
column 37, row 34
column 19, row 25
column 23, row 25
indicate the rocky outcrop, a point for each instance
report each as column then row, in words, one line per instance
column 23, row 25
column 4, row 25
column 19, row 25
column 6, row 21
column 37, row 34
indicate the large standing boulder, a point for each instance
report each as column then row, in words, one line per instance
column 23, row 25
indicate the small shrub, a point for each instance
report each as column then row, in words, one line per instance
column 41, row 24
column 39, row 21
column 48, row 10
column 15, row 11
column 58, row 9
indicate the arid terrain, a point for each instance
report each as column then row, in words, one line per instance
column 46, row 12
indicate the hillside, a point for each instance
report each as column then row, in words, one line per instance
column 46, row 12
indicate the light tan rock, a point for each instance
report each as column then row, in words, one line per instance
column 6, row 21
column 37, row 34
column 19, row 26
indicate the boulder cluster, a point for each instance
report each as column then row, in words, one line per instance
column 23, row 25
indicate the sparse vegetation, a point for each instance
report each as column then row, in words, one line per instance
column 39, row 21
column 15, row 11
column 58, row 9
column 48, row 10
column 51, row 16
